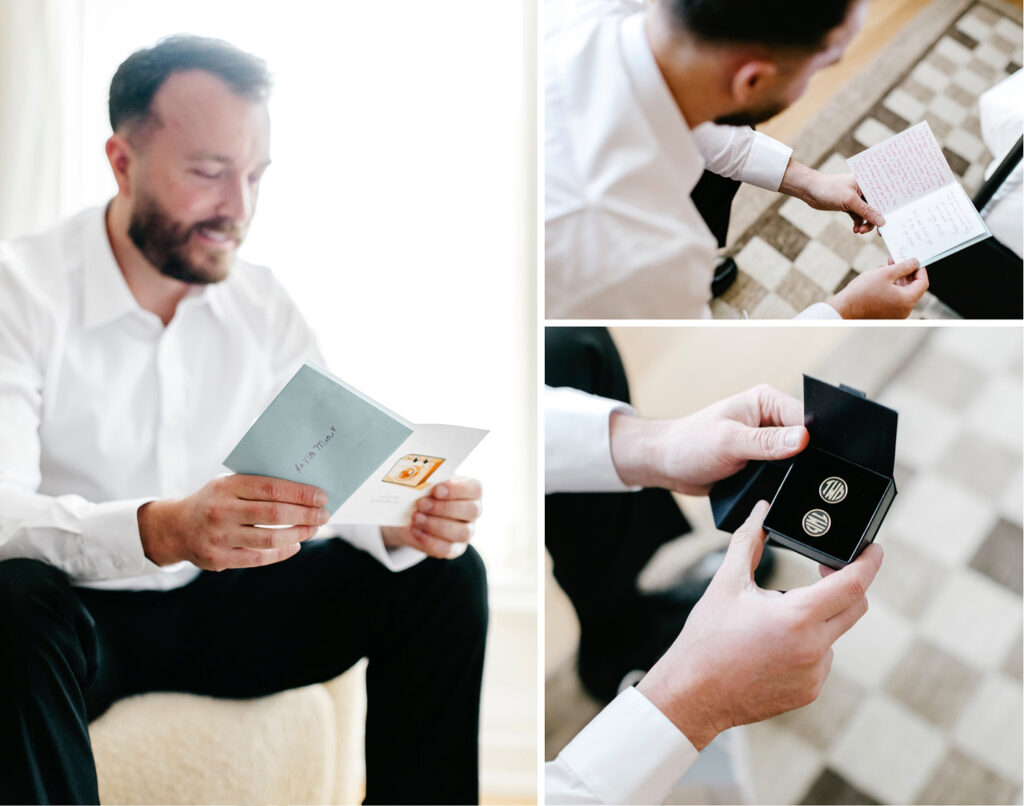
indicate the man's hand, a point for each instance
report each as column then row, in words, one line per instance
column 443, row 521
column 690, row 454
column 216, row 527
column 888, row 292
column 831, row 192
column 747, row 654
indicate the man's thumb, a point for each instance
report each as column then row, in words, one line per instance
column 772, row 443
column 747, row 544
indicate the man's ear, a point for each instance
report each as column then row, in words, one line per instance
column 121, row 156
column 752, row 81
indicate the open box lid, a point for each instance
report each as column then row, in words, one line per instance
column 843, row 422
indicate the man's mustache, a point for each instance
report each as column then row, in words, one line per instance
column 222, row 225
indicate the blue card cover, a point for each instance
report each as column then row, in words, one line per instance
column 320, row 431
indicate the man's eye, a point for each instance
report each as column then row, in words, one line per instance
column 206, row 174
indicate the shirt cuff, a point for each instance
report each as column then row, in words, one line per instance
column 113, row 546
column 577, row 442
column 767, row 162
column 630, row 752
column 819, row 310
column 368, row 538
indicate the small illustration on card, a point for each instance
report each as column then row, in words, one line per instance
column 928, row 215
column 413, row 470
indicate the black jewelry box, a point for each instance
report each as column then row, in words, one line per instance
column 827, row 502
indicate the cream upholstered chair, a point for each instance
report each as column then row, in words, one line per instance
column 299, row 746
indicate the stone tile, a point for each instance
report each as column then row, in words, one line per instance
column 986, row 348
column 773, row 307
column 907, row 580
column 933, row 683
column 958, row 779
column 983, row 69
column 993, row 57
column 930, row 77
column 839, row 237
column 887, row 751
column 835, row 164
column 967, row 41
column 979, row 464
column 961, row 96
column 821, row 265
column 939, row 127
column 869, row 651
column 995, row 412
column 745, row 294
column 784, row 766
column 986, row 15
column 918, row 91
column 926, row 427
column 947, row 109
column 965, row 144
column 1007, row 46
column 973, row 178
column 905, row 105
column 1007, row 29
column 871, row 132
column 784, row 237
column 889, row 119
column 799, row 291
column 941, row 377
column 974, row 27
column 833, row 788
column 810, row 222
column 1001, row 556
column 821, row 721
column 871, row 255
column 723, row 310
column 851, row 275
column 941, row 63
column 763, row 262
column 1013, row 663
column 847, row 145
column 973, row 618
column 956, row 52
column 956, row 162
column 1011, row 502
column 989, row 727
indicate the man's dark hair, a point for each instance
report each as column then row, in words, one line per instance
column 144, row 72
column 784, row 23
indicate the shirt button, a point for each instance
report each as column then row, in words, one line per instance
column 118, row 563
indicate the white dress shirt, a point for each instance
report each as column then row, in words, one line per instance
column 102, row 408
column 623, row 238
column 630, row 752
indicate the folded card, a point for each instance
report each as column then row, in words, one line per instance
column 928, row 215
column 372, row 463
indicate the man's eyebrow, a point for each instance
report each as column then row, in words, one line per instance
column 209, row 156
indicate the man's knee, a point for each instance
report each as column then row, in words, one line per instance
column 39, row 613
column 464, row 582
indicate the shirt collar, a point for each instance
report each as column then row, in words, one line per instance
column 106, row 296
column 660, row 108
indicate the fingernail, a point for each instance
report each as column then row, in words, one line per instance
column 440, row 491
column 419, row 518
column 324, row 516
column 881, row 221
column 915, row 263
column 320, row 499
column 793, row 436
column 425, row 505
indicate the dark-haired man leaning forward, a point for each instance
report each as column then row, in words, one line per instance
column 640, row 99
column 135, row 349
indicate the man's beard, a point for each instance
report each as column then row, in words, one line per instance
column 751, row 117
column 164, row 243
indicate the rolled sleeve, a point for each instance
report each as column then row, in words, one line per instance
column 577, row 443
column 629, row 753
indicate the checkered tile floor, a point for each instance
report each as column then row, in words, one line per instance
column 924, row 702
column 793, row 256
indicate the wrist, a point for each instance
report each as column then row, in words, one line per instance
column 391, row 536
column 681, row 704
column 637, row 446
column 798, row 181
column 154, row 519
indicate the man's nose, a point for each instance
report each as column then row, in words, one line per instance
column 238, row 200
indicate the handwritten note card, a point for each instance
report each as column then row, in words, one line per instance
column 319, row 430
column 928, row 215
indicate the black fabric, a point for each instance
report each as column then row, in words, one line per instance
column 599, row 542
column 713, row 197
column 68, row 653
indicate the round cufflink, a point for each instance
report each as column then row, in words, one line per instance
column 833, row 490
column 816, row 522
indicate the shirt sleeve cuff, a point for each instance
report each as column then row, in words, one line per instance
column 630, row 752
column 111, row 533
column 819, row 310
column 577, row 443
column 767, row 162
column 369, row 539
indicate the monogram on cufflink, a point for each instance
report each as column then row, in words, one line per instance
column 833, row 490
column 816, row 522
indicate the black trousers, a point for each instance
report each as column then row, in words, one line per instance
column 599, row 542
column 713, row 197
column 69, row 652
